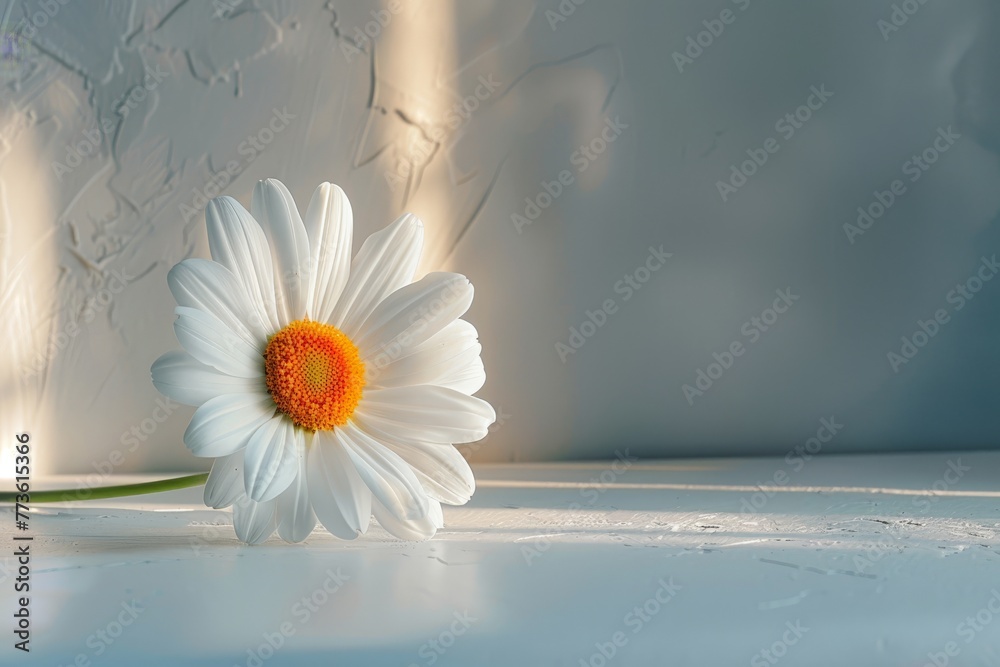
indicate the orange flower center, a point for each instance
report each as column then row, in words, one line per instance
column 314, row 374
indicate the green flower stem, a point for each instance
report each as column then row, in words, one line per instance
column 68, row 495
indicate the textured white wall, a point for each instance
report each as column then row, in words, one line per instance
column 120, row 118
column 117, row 119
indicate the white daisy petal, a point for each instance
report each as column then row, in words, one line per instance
column 273, row 207
column 466, row 374
column 387, row 261
column 424, row 413
column 389, row 478
column 443, row 471
column 339, row 497
column 449, row 358
column 330, row 225
column 254, row 522
column 225, row 482
column 211, row 287
column 238, row 243
column 206, row 338
column 436, row 515
column 181, row 377
column 414, row 313
column 224, row 424
column 416, row 530
column 270, row 461
column 296, row 518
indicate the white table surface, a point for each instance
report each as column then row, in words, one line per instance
column 541, row 567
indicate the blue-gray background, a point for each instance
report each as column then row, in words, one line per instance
column 394, row 119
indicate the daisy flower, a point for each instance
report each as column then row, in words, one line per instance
column 325, row 388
